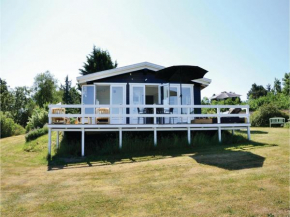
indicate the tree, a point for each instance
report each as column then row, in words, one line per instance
column 277, row 86
column 23, row 105
column 98, row 60
column 45, row 86
column 70, row 94
column 6, row 97
column 268, row 88
column 286, row 84
column 256, row 91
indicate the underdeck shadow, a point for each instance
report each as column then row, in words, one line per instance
column 233, row 154
column 255, row 132
column 231, row 160
column 215, row 155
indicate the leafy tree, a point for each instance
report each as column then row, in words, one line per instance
column 98, row 60
column 280, row 100
column 45, row 86
column 6, row 97
column 38, row 119
column 277, row 86
column 205, row 101
column 8, row 126
column 23, row 105
column 286, row 84
column 260, row 118
column 256, row 91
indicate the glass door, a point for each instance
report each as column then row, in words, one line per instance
column 186, row 100
column 88, row 98
column 137, row 97
column 118, row 98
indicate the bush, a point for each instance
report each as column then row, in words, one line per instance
column 280, row 100
column 9, row 127
column 287, row 125
column 260, row 118
column 38, row 119
column 34, row 134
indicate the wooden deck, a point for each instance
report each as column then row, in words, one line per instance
column 185, row 123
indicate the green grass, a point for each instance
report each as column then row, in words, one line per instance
column 243, row 179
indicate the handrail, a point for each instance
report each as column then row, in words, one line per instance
column 188, row 114
column 148, row 106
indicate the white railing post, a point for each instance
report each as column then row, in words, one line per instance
column 82, row 113
column 49, row 141
column 188, row 113
column 188, row 136
column 83, row 142
column 218, row 115
column 120, row 138
column 49, row 118
column 155, row 137
column 248, row 114
column 154, row 113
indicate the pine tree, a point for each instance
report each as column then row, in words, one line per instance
column 277, row 86
column 286, row 84
column 98, row 60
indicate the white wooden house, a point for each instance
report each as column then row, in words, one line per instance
column 131, row 98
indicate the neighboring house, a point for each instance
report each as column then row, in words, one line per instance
column 131, row 98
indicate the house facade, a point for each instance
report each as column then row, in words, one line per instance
column 131, row 98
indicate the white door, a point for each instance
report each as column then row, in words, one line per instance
column 88, row 98
column 137, row 97
column 118, row 98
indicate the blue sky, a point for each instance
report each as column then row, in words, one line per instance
column 239, row 42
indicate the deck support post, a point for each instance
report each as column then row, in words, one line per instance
column 120, row 138
column 49, row 141
column 155, row 137
column 249, row 133
column 233, row 132
column 220, row 134
column 83, row 142
column 57, row 139
column 188, row 136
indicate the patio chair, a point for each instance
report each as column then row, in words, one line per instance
column 170, row 111
column 141, row 112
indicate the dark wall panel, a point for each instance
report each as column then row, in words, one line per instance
column 197, row 97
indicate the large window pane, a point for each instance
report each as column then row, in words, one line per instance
column 88, row 95
column 186, row 98
column 103, row 95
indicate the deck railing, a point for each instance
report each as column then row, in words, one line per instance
column 185, row 112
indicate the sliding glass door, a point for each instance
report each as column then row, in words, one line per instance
column 118, row 98
column 137, row 97
column 88, row 98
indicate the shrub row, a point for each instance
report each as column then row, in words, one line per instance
column 260, row 118
column 36, row 133
column 9, row 127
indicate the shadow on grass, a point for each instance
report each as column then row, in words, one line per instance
column 228, row 155
column 231, row 160
column 256, row 132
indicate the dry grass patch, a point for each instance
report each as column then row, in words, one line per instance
column 248, row 180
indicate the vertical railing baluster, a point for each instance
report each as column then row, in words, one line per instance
column 218, row 115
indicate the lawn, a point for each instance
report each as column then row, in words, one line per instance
column 251, row 179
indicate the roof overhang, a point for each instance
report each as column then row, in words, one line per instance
column 203, row 81
column 131, row 68
column 118, row 71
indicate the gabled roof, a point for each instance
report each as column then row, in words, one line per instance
column 118, row 71
column 130, row 68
